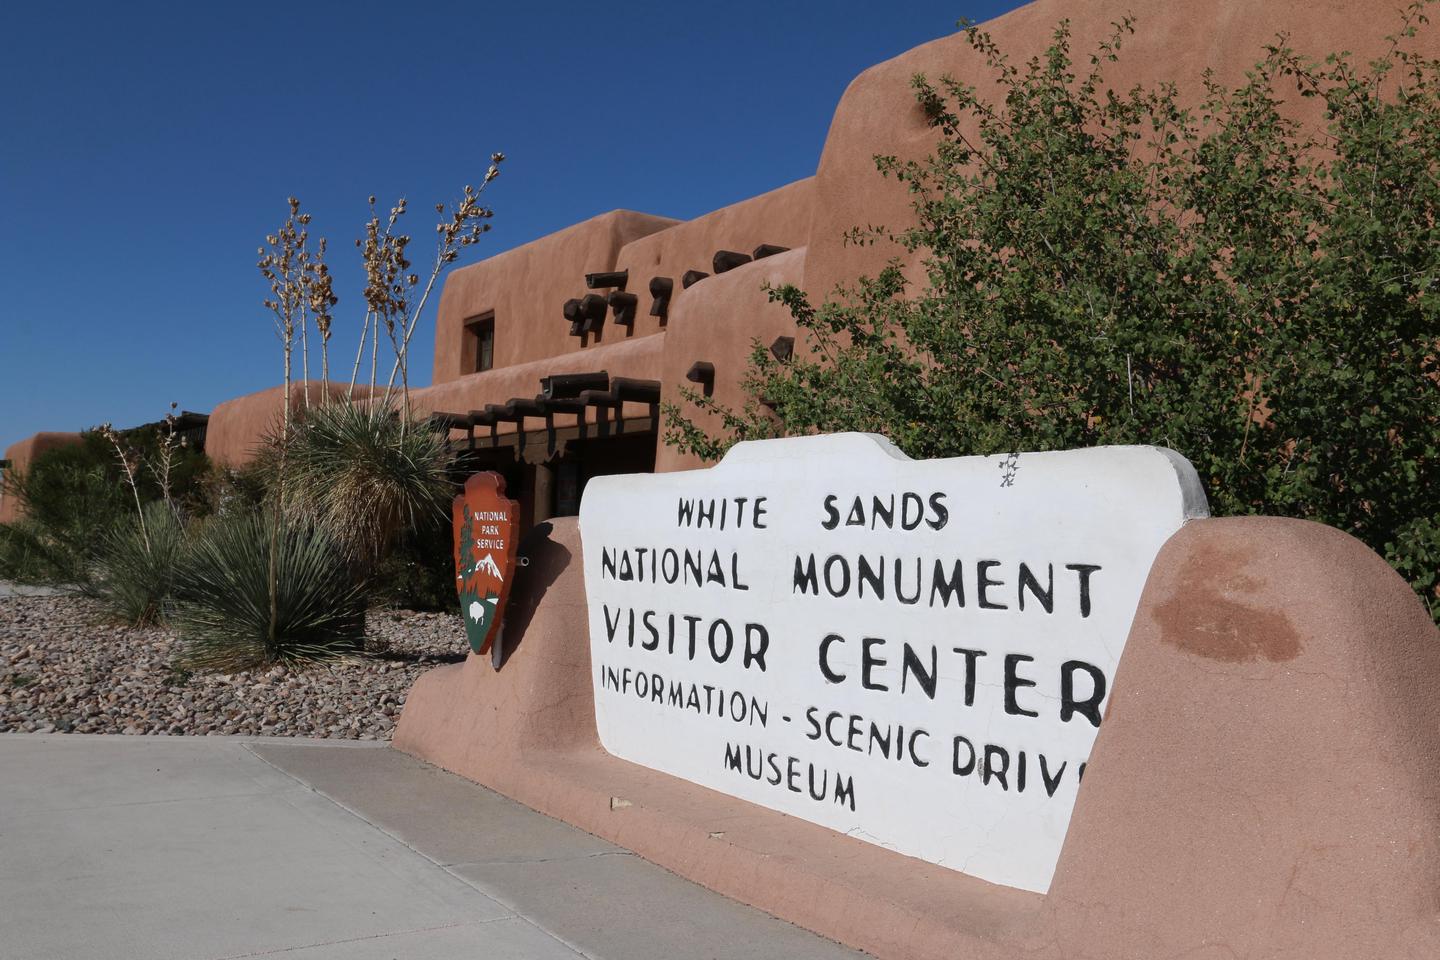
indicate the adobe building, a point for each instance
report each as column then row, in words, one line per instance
column 551, row 359
column 1265, row 781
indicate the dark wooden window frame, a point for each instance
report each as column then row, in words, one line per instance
column 479, row 353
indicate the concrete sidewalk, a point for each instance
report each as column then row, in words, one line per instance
column 154, row 848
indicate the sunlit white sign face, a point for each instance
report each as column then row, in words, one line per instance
column 914, row 653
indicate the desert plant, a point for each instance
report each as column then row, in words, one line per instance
column 389, row 284
column 28, row 555
column 130, row 463
column 358, row 471
column 361, row 473
column 301, row 287
column 418, row 571
column 300, row 290
column 72, row 497
column 70, row 500
column 170, row 447
column 136, row 570
column 228, row 617
column 1106, row 267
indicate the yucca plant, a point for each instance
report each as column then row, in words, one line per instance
column 136, row 570
column 226, row 615
column 362, row 472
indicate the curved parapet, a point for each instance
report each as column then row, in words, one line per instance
column 1268, row 774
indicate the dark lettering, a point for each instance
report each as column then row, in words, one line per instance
column 1051, row 785
column 984, row 583
column 1028, row 581
column 970, row 657
column 757, row 641
column 913, row 667
column 881, row 508
column 991, row 769
column 805, row 580
column 1013, row 681
column 942, row 513
column 868, row 661
column 899, row 591
column 1089, row 708
column 825, row 669
column 1084, row 570
column 715, row 652
column 814, row 733
column 954, row 586
column 692, row 567
column 906, row 500
column 916, row 734
column 961, row 769
column 845, row 791
column 868, row 574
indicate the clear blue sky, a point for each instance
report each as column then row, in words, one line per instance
column 146, row 149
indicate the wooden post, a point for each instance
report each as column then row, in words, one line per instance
column 544, row 491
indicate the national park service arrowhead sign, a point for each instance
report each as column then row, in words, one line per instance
column 487, row 527
column 915, row 653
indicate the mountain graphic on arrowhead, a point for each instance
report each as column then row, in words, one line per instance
column 487, row 564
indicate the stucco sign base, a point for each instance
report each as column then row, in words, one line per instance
column 1266, row 782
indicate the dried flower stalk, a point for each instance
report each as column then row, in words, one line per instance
column 390, row 284
column 130, row 462
column 300, row 289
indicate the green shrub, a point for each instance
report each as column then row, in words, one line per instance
column 73, row 497
column 418, row 573
column 27, row 556
column 367, row 475
column 226, row 615
column 1113, row 268
column 70, row 504
column 136, row 570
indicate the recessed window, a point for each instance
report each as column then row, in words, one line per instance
column 480, row 342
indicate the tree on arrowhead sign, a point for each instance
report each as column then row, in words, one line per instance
column 487, row 527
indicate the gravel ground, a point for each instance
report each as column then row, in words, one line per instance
column 63, row 669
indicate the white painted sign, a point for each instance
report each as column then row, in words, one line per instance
column 915, row 653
